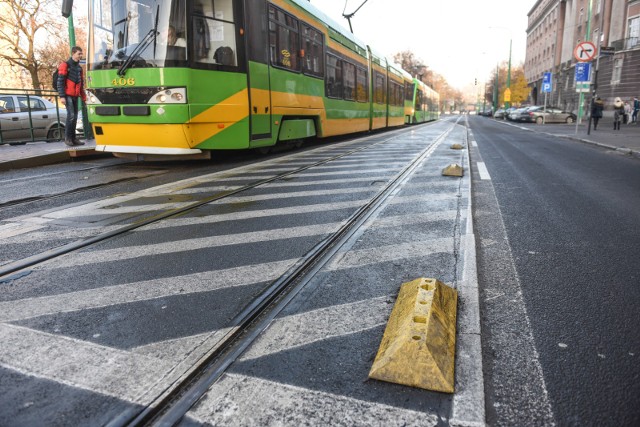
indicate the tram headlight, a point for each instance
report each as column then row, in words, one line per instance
column 176, row 95
column 91, row 98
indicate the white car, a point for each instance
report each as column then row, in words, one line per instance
column 26, row 118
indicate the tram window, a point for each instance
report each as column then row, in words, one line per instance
column 349, row 71
column 408, row 91
column 214, row 32
column 419, row 97
column 379, row 89
column 333, row 83
column 397, row 94
column 283, row 39
column 312, row 42
column 362, row 88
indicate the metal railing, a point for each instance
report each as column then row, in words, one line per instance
column 49, row 95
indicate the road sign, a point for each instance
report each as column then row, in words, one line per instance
column 585, row 51
column 507, row 95
column 583, row 72
column 584, row 87
column 547, row 84
column 607, row 50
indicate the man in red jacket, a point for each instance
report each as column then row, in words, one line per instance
column 71, row 87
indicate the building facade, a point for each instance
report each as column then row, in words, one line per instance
column 556, row 27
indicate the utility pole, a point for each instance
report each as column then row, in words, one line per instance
column 508, row 103
column 67, row 12
column 496, row 91
column 587, row 37
column 595, row 77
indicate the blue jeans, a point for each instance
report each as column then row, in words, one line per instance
column 71, row 104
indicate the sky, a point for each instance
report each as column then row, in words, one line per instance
column 460, row 39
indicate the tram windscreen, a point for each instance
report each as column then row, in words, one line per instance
column 140, row 33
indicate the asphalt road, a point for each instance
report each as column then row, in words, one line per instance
column 558, row 227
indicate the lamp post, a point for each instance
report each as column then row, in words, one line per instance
column 507, row 96
column 507, row 102
column 496, row 90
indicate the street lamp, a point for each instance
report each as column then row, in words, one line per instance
column 507, row 97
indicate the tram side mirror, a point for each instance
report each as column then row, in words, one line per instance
column 67, row 6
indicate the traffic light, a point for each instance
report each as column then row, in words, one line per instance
column 67, row 6
column 476, row 82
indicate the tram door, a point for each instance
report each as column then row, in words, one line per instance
column 257, row 36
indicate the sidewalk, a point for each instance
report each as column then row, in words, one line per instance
column 42, row 153
column 625, row 140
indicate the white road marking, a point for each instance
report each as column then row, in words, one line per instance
column 403, row 251
column 141, row 291
column 288, row 332
column 82, row 364
column 232, row 401
column 482, row 170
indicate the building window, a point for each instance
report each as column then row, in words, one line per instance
column 617, row 71
column 634, row 32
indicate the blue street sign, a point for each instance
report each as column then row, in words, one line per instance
column 547, row 83
column 583, row 72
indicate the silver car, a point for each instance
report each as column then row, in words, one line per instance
column 47, row 122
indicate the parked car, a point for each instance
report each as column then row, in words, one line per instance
column 514, row 115
column 551, row 115
column 499, row 114
column 47, row 122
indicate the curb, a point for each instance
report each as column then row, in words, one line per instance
column 47, row 159
column 627, row 151
column 50, row 159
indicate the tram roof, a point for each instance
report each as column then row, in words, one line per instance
column 331, row 23
column 306, row 5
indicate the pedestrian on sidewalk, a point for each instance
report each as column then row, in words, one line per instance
column 627, row 113
column 636, row 109
column 618, row 113
column 71, row 87
column 596, row 111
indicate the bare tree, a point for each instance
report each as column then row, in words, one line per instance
column 30, row 30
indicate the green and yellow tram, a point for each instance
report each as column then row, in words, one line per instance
column 180, row 78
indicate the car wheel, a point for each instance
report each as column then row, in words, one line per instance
column 569, row 120
column 539, row 120
column 55, row 134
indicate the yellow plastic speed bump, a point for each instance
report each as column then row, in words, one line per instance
column 457, row 147
column 418, row 345
column 452, row 170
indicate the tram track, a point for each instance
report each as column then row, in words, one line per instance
column 169, row 408
column 174, row 307
column 19, row 203
column 39, row 258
